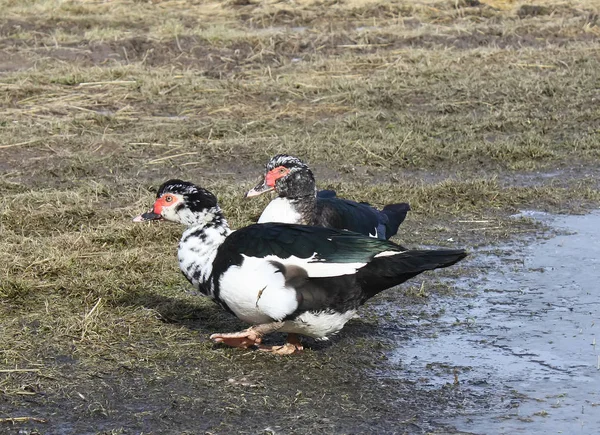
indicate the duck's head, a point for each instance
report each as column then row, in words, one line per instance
column 182, row 202
column 288, row 176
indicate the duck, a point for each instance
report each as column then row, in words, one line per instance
column 279, row 277
column 299, row 202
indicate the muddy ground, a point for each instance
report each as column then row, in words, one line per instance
column 474, row 112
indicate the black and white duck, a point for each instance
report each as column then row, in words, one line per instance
column 299, row 202
column 283, row 277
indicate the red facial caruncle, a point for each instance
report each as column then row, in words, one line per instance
column 164, row 201
column 275, row 174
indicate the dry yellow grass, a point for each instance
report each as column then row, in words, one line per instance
column 468, row 111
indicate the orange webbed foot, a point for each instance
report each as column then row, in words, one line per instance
column 243, row 339
column 292, row 345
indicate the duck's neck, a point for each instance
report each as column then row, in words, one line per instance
column 296, row 210
column 305, row 206
column 198, row 246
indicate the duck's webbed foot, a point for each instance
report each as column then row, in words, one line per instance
column 292, row 345
column 243, row 339
column 248, row 337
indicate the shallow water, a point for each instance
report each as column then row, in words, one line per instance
column 526, row 346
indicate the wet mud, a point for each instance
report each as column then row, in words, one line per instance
column 522, row 341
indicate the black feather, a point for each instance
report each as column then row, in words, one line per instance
column 396, row 213
column 360, row 217
column 286, row 240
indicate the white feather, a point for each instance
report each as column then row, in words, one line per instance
column 316, row 268
column 319, row 325
column 256, row 292
column 280, row 210
column 197, row 256
column 388, row 253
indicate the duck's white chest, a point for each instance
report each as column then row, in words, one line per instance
column 196, row 253
column 280, row 210
column 256, row 291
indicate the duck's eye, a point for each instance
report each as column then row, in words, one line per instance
column 282, row 170
column 168, row 198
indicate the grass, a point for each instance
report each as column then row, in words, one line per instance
column 469, row 111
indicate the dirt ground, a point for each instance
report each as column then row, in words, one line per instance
column 469, row 110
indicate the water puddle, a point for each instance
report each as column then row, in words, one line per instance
column 526, row 346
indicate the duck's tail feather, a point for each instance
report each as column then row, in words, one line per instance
column 387, row 271
column 396, row 213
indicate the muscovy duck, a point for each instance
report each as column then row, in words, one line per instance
column 283, row 277
column 298, row 202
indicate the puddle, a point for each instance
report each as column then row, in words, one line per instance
column 526, row 346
